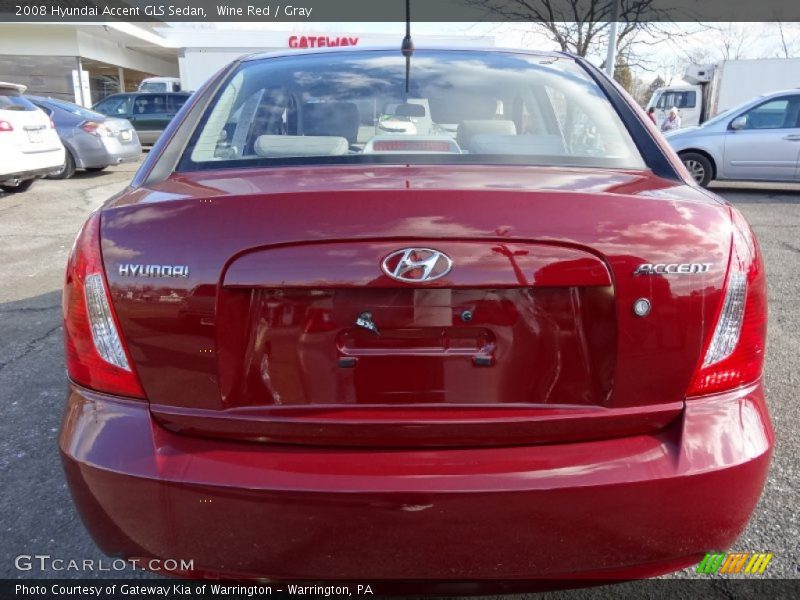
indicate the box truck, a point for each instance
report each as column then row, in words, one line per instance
column 711, row 89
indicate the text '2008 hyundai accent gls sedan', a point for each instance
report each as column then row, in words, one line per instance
column 467, row 321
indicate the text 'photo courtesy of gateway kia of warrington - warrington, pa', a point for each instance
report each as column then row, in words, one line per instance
column 355, row 299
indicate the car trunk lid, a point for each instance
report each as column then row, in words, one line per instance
column 121, row 129
column 287, row 329
column 31, row 132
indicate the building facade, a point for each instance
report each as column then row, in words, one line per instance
column 84, row 63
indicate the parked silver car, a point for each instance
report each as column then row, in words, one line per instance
column 756, row 141
column 93, row 141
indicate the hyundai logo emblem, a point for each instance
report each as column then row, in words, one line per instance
column 416, row 265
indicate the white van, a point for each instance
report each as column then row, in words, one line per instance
column 160, row 84
column 712, row 89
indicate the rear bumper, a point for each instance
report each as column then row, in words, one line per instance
column 627, row 507
column 20, row 165
column 93, row 152
column 25, row 175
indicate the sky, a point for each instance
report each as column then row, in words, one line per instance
column 662, row 57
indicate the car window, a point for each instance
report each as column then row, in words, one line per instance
column 153, row 86
column 13, row 101
column 174, row 102
column 150, row 104
column 119, row 105
column 780, row 113
column 578, row 130
column 459, row 106
column 686, row 99
column 720, row 117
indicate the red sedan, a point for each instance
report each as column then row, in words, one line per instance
column 461, row 317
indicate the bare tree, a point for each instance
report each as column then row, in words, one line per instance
column 623, row 75
column 581, row 26
column 641, row 90
column 789, row 40
column 734, row 40
column 783, row 40
column 654, row 85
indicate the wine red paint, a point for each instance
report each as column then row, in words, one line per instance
column 511, row 418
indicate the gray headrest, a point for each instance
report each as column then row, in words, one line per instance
column 468, row 129
column 528, row 145
column 300, row 145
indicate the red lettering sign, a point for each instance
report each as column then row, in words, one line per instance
column 320, row 41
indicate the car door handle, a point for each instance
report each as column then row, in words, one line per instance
column 792, row 137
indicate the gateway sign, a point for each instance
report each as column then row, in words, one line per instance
column 320, row 41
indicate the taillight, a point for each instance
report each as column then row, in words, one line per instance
column 97, row 129
column 52, row 124
column 6, row 126
column 412, row 146
column 734, row 355
column 95, row 352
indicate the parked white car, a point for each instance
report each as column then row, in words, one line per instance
column 29, row 143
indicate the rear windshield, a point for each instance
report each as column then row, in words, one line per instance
column 454, row 106
column 114, row 105
column 74, row 109
column 13, row 101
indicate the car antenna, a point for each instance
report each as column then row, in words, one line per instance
column 407, row 48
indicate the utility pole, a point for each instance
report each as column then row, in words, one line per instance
column 611, row 55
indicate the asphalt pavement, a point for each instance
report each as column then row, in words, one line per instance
column 36, row 231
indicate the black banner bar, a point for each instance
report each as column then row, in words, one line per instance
column 290, row 11
column 708, row 588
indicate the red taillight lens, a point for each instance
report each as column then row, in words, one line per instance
column 411, row 146
column 95, row 352
column 6, row 126
column 52, row 124
column 94, row 128
column 734, row 355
